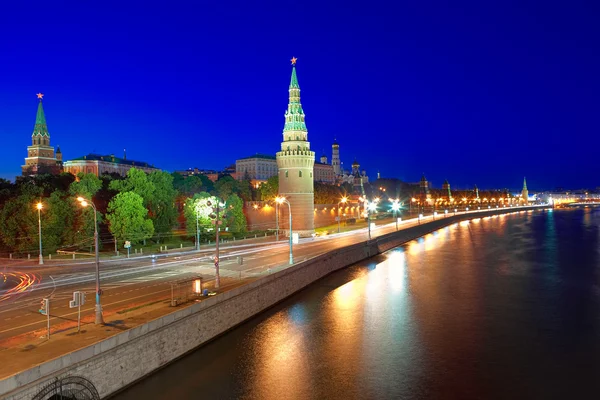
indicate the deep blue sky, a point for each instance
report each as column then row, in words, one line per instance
column 477, row 93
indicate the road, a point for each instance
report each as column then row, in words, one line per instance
column 126, row 283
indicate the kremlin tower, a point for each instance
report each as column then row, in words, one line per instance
column 525, row 192
column 296, row 162
column 335, row 158
column 40, row 155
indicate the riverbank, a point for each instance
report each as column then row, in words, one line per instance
column 112, row 364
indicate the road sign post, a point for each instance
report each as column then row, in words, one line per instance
column 127, row 246
column 78, row 301
column 45, row 310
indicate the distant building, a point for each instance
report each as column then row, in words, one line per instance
column 324, row 172
column 40, row 155
column 98, row 164
column 211, row 174
column 260, row 167
column 257, row 168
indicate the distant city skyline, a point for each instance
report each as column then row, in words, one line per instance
column 475, row 95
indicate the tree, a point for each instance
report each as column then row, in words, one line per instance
column 136, row 181
column 86, row 185
column 225, row 187
column 162, row 204
column 236, row 220
column 127, row 218
column 190, row 185
column 269, row 189
column 197, row 207
column 19, row 224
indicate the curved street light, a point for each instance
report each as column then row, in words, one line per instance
column 39, row 207
column 85, row 203
column 282, row 200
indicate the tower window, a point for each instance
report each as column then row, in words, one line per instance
column 311, row 174
column 300, row 174
column 286, row 174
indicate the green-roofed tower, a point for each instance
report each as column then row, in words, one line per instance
column 446, row 188
column 40, row 155
column 295, row 163
column 524, row 192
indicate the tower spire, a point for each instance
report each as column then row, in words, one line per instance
column 296, row 162
column 40, row 128
column 524, row 183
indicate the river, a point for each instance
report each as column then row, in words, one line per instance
column 501, row 307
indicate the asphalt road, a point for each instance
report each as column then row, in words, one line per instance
column 142, row 280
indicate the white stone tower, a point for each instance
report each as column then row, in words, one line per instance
column 296, row 162
column 335, row 158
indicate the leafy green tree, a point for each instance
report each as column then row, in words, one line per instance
column 19, row 223
column 269, row 189
column 136, row 181
column 225, row 187
column 197, row 207
column 86, row 185
column 128, row 219
column 162, row 204
column 236, row 220
column 192, row 184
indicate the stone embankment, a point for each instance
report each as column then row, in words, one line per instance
column 120, row 360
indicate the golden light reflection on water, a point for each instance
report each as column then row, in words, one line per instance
column 281, row 359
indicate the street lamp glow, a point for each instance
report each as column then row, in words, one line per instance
column 84, row 203
column 339, row 217
column 39, row 207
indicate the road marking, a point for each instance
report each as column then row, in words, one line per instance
column 89, row 309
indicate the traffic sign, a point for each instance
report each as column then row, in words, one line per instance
column 127, row 244
column 45, row 306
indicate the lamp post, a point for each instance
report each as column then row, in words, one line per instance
column 85, row 203
column 344, row 200
column 39, row 207
column 395, row 208
column 276, row 220
column 216, row 221
column 372, row 206
column 282, row 200
column 197, row 227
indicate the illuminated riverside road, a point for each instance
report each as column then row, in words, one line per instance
column 506, row 307
column 137, row 281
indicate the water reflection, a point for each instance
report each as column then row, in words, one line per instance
column 503, row 307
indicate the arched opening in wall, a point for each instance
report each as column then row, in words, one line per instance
column 300, row 174
column 286, row 174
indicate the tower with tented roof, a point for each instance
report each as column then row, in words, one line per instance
column 40, row 155
column 296, row 162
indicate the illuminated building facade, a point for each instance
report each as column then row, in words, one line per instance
column 296, row 163
column 40, row 155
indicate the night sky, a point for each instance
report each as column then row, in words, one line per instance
column 477, row 93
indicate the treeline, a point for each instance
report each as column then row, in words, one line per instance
column 134, row 208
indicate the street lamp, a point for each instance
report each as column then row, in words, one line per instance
column 372, row 206
column 395, row 208
column 39, row 207
column 344, row 200
column 276, row 220
column 85, row 203
column 282, row 200
column 219, row 207
column 196, row 206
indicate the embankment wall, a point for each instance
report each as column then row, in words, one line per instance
column 118, row 361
